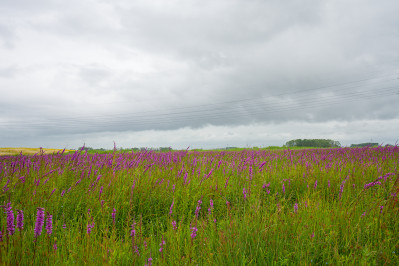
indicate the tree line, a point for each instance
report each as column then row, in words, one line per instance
column 317, row 143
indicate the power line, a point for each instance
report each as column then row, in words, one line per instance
column 145, row 121
column 334, row 87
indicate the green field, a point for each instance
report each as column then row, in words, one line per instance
column 284, row 207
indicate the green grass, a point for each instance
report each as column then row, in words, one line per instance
column 262, row 228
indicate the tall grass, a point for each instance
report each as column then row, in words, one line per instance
column 313, row 206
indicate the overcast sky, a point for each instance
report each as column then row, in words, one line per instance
column 203, row 74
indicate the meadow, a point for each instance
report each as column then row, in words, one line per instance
column 265, row 207
column 27, row 151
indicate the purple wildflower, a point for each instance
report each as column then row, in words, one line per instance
column 312, row 236
column 55, row 246
column 101, row 191
column 283, row 188
column 296, row 207
column 174, row 225
column 198, row 208
column 102, row 203
column 210, row 207
column 39, row 222
column 149, row 262
column 162, row 245
column 10, row 220
column 266, row 185
column 171, row 208
column 1, row 236
column 328, row 183
column 63, row 193
column 49, row 224
column 193, row 232
column 133, row 232
column 244, row 192
column 315, row 184
column 136, row 249
column 341, row 188
column 369, row 185
column 20, row 220
column 64, row 226
column 52, row 192
column 113, row 215
column 90, row 227
column 381, row 207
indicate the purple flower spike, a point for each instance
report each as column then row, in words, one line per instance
column 198, row 208
column 369, row 185
column 283, row 189
column 39, row 222
column 113, row 215
column 210, row 207
column 341, row 188
column 381, row 207
column 133, row 231
column 49, row 224
column 162, row 245
column 10, row 219
column 101, row 191
column 296, row 208
column 244, row 192
column 20, row 220
column 171, row 208
column 174, row 225
column 193, row 232
column 1, row 236
column 90, row 227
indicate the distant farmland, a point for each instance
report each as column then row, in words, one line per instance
column 27, row 151
column 313, row 206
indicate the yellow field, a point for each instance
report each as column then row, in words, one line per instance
column 27, row 151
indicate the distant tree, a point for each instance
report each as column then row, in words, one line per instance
column 85, row 148
column 317, row 143
column 366, row 144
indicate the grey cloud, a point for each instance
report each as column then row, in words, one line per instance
column 8, row 72
column 7, row 37
column 94, row 74
column 135, row 66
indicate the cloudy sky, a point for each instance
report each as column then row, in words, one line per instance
column 197, row 73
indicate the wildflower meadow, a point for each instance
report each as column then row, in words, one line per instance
column 265, row 207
